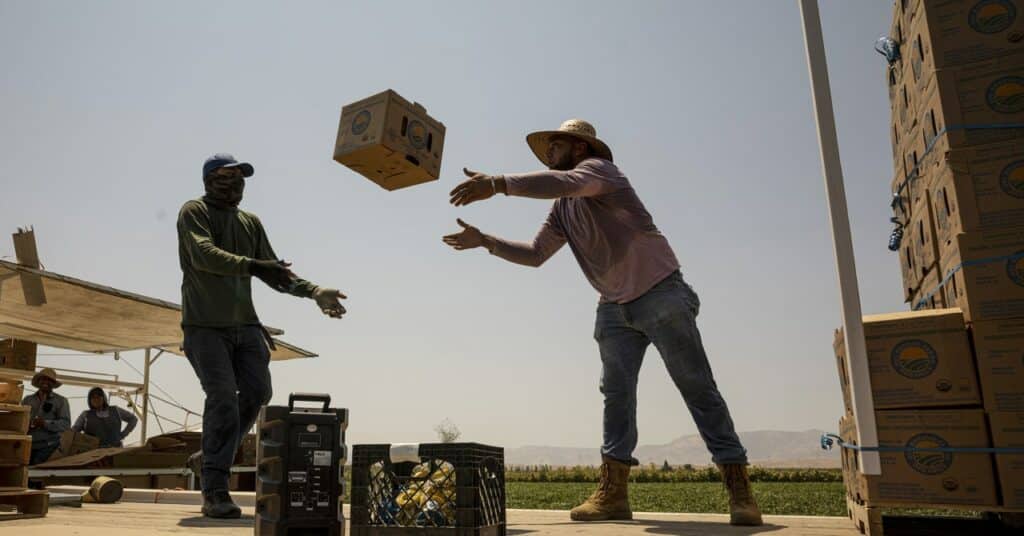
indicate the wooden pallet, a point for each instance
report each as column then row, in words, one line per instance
column 14, row 418
column 15, row 450
column 13, row 478
column 23, row 504
column 995, row 521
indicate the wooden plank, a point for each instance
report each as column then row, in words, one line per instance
column 13, row 478
column 23, row 504
column 866, row 519
column 11, row 390
column 15, row 450
column 14, row 419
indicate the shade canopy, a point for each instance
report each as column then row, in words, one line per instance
column 63, row 312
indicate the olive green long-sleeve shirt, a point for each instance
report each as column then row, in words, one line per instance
column 215, row 246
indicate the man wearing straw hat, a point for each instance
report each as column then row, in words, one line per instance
column 644, row 301
column 50, row 415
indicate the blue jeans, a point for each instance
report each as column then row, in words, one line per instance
column 233, row 365
column 665, row 316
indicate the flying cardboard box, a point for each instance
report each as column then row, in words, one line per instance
column 916, row 359
column 950, row 34
column 984, row 274
column 999, row 353
column 929, row 477
column 1008, row 432
column 977, row 189
column 390, row 141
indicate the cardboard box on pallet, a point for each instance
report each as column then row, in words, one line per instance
column 981, row 94
column 929, row 477
column 987, row 279
column 977, row 189
column 390, row 141
column 916, row 359
column 928, row 294
column 999, row 353
column 925, row 247
column 902, row 111
column 848, row 432
column 17, row 354
column 908, row 270
column 1008, row 432
column 947, row 34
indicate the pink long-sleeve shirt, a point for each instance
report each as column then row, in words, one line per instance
column 597, row 212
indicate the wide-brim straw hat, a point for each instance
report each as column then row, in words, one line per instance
column 46, row 373
column 576, row 128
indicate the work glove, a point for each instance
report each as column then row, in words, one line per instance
column 273, row 272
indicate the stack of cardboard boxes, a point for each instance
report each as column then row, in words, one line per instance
column 950, row 373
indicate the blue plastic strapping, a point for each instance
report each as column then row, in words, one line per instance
column 889, row 48
column 827, row 440
column 915, row 173
column 952, row 271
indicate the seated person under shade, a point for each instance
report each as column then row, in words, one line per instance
column 110, row 424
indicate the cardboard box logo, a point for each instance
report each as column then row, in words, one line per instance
column 1011, row 179
column 1015, row 268
column 914, row 359
column 992, row 16
column 930, row 463
column 1006, row 95
column 361, row 122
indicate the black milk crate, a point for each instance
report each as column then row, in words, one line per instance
column 456, row 489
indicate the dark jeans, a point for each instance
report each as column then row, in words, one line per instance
column 233, row 365
column 665, row 316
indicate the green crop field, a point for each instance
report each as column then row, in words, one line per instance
column 781, row 498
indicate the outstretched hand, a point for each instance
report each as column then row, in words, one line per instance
column 470, row 237
column 478, row 187
column 328, row 299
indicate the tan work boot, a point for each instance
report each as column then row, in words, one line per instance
column 743, row 508
column 611, row 500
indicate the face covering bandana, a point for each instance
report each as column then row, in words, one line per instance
column 224, row 192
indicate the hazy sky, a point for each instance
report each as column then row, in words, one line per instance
column 109, row 109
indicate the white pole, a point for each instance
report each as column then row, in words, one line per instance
column 145, row 394
column 849, row 294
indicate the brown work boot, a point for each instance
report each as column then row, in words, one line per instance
column 611, row 500
column 743, row 508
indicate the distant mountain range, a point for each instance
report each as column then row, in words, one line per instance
column 767, row 448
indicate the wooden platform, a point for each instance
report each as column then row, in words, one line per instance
column 23, row 504
column 14, row 418
column 870, row 521
column 15, row 449
column 132, row 519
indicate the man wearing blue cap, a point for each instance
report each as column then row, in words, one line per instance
column 220, row 249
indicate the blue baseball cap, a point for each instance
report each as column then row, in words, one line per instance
column 225, row 160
